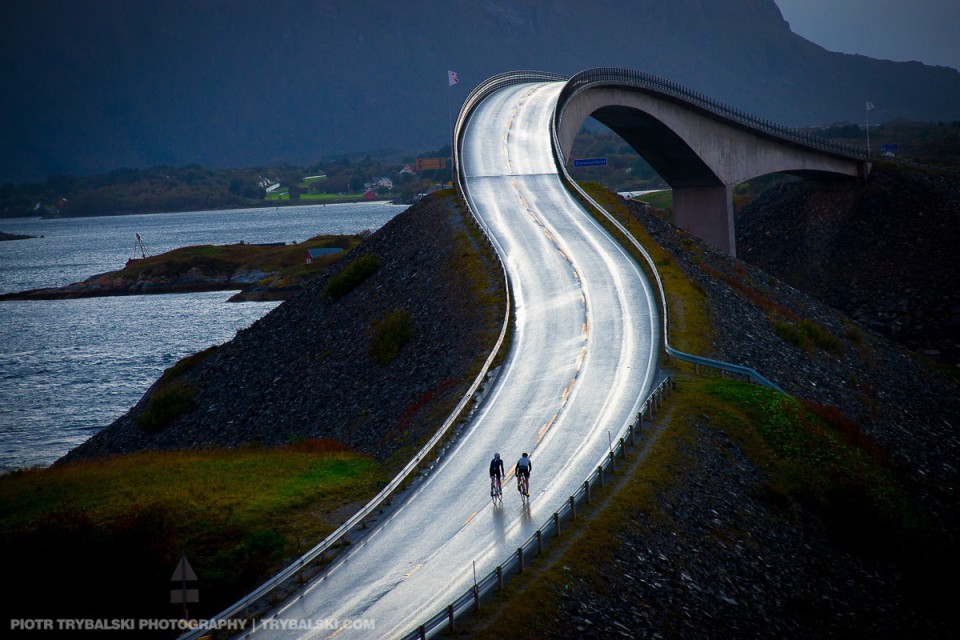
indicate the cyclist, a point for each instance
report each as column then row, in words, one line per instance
column 496, row 471
column 524, row 467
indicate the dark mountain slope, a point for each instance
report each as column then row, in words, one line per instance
column 245, row 86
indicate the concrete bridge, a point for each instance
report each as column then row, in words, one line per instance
column 700, row 147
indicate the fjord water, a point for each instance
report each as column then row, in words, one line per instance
column 68, row 368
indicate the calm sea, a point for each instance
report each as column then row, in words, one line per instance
column 68, row 368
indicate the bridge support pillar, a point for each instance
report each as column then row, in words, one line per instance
column 707, row 212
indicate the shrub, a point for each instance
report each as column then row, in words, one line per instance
column 806, row 335
column 165, row 405
column 390, row 334
column 351, row 276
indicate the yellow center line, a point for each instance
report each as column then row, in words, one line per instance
column 412, row 571
column 470, row 518
column 545, row 428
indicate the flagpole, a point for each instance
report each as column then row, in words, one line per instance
column 450, row 118
column 452, row 79
column 866, row 116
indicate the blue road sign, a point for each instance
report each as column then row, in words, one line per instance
column 590, row 162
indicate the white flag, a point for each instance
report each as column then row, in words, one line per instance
column 452, row 78
column 869, row 106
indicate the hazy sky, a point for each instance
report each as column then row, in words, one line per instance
column 902, row 30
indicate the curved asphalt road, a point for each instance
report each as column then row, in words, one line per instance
column 583, row 356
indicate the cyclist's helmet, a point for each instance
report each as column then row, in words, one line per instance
column 525, row 455
column 496, row 456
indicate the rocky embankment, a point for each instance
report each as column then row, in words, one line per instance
column 884, row 254
column 717, row 558
column 308, row 370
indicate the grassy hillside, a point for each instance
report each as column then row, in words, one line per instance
column 101, row 539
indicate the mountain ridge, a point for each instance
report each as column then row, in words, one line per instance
column 300, row 83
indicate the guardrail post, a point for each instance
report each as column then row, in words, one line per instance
column 573, row 507
column 623, row 449
column 450, row 617
column 586, row 489
column 520, row 558
column 422, row 630
column 556, row 522
column 600, row 475
column 476, row 596
column 613, row 463
column 633, row 435
column 499, row 577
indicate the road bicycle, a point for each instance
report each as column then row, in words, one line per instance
column 496, row 490
column 523, row 486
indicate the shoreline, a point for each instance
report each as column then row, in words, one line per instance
column 215, row 209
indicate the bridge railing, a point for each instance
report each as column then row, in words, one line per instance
column 654, row 84
column 562, row 100
column 730, row 367
column 481, row 91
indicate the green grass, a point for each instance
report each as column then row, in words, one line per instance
column 287, row 261
column 813, row 458
column 689, row 322
column 806, row 335
column 112, row 530
column 390, row 335
column 825, row 462
column 658, row 199
column 328, row 198
column 165, row 405
column 351, row 276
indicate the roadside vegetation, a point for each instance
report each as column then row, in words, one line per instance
column 120, row 525
column 101, row 539
column 288, row 261
column 390, row 334
column 688, row 320
column 818, row 466
column 351, row 276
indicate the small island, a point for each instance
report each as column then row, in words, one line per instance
column 257, row 271
column 13, row 236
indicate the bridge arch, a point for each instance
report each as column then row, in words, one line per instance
column 701, row 148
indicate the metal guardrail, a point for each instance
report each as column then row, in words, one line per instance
column 472, row 597
column 596, row 77
column 425, row 455
column 738, row 369
column 481, row 91
column 605, row 76
column 533, row 546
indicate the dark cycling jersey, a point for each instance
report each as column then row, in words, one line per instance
column 496, row 467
